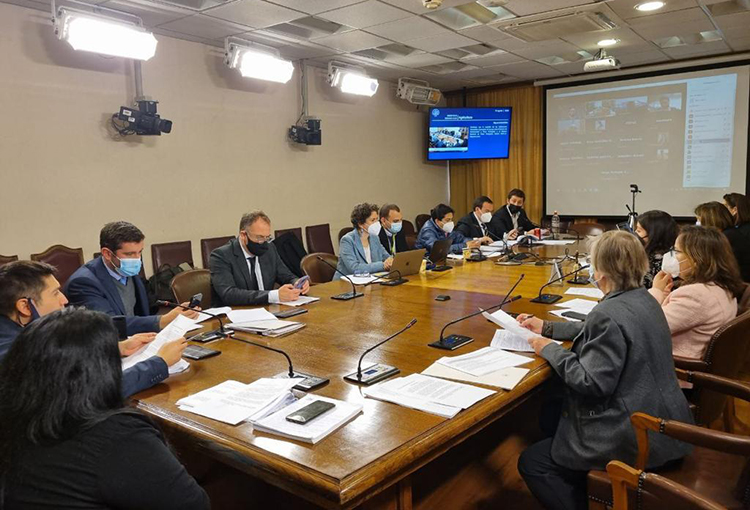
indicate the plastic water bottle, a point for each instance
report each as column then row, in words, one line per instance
column 555, row 226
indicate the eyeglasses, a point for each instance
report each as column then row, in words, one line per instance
column 259, row 239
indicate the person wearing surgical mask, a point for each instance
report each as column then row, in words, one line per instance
column 441, row 226
column 392, row 235
column 657, row 231
column 360, row 251
column 476, row 224
column 509, row 221
column 111, row 283
column 707, row 298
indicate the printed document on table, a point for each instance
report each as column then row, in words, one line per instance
column 300, row 301
column 506, row 340
column 361, row 280
column 203, row 316
column 213, row 393
column 507, row 378
column 484, row 361
column 174, row 330
column 578, row 305
column 382, row 392
column 556, row 242
column 588, row 292
column 256, row 314
column 438, row 391
column 505, row 321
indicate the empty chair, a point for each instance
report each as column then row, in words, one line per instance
column 65, row 260
column 296, row 231
column 408, row 228
column 171, row 254
column 317, row 270
column 4, row 259
column 319, row 239
column 189, row 283
column 344, row 231
column 210, row 244
column 420, row 220
column 588, row 229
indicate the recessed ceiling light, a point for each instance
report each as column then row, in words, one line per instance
column 649, row 6
column 607, row 42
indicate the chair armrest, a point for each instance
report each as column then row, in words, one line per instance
column 696, row 365
column 716, row 383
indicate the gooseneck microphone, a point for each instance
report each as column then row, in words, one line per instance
column 201, row 337
column 578, row 280
column 453, row 342
column 389, row 283
column 377, row 372
column 346, row 296
column 548, row 299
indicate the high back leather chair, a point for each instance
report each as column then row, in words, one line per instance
column 5, row 259
column 66, row 260
column 188, row 283
column 317, row 270
column 588, row 229
column 344, row 231
column 319, row 239
column 407, row 228
column 296, row 231
column 210, row 244
column 172, row 254
column 420, row 220
column 744, row 303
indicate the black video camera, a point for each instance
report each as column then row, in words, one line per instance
column 144, row 120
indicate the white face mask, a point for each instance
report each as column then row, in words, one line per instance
column 592, row 278
column 448, row 227
column 374, row 229
column 697, row 223
column 485, row 217
column 670, row 264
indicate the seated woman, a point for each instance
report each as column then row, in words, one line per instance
column 713, row 215
column 657, row 231
column 739, row 235
column 361, row 251
column 620, row 363
column 67, row 440
column 707, row 297
column 439, row 227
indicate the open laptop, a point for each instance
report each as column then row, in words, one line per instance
column 439, row 253
column 408, row 262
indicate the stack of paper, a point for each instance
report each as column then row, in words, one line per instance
column 556, row 242
column 508, row 341
column 233, row 402
column 313, row 431
column 583, row 306
column 302, row 300
column 176, row 329
column 271, row 328
column 507, row 322
column 429, row 394
column 484, row 361
column 507, row 378
column 255, row 314
column 585, row 291
column 203, row 316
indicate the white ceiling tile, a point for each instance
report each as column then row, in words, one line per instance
column 409, row 28
column 441, row 42
column 533, row 51
column 697, row 50
column 484, row 33
column 416, row 6
column 186, row 37
column 513, row 44
column 254, row 13
column 205, row 26
column 588, row 40
column 644, row 57
column 493, row 59
column 736, row 20
column 352, row 41
column 526, row 7
column 30, row 4
column 668, row 18
column 626, row 8
column 529, row 70
column 418, row 60
column 740, row 43
column 685, row 28
column 297, row 51
column 366, row 14
column 152, row 14
column 314, row 6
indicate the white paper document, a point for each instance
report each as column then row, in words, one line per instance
column 484, row 361
column 317, row 429
column 585, row 291
column 272, row 328
column 506, row 340
column 384, row 393
column 556, row 242
column 507, row 378
column 174, row 330
column 214, row 393
column 214, row 311
column 455, row 256
column 578, row 305
column 256, row 314
column 362, row 279
column 505, row 321
column 300, row 301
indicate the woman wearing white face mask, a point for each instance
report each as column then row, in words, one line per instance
column 707, row 298
column 440, row 226
column 360, row 251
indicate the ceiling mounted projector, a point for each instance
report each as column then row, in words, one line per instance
column 418, row 92
column 432, row 4
column 601, row 62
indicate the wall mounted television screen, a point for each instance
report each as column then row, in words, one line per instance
column 468, row 133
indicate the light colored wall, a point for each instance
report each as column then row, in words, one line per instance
column 63, row 175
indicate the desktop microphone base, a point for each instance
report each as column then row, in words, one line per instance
column 547, row 299
column 208, row 336
column 579, row 280
column 393, row 283
column 451, row 342
column 346, row 296
column 372, row 374
column 310, row 382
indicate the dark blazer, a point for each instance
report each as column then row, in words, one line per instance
column 470, row 228
column 231, row 281
column 137, row 378
column 291, row 251
column 739, row 238
column 620, row 363
column 502, row 222
column 93, row 287
column 386, row 241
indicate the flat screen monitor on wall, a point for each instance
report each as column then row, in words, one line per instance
column 681, row 137
column 468, row 133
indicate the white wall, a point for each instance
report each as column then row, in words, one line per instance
column 63, row 175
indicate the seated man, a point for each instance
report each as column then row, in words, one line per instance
column 391, row 236
column 475, row 225
column 440, row 226
column 29, row 290
column 508, row 220
column 244, row 271
column 111, row 284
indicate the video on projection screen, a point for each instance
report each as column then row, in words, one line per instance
column 682, row 138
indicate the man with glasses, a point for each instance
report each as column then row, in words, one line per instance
column 245, row 270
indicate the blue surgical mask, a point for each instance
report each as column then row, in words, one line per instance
column 395, row 227
column 129, row 267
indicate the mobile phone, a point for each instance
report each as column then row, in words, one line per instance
column 121, row 325
column 308, row 413
column 195, row 300
column 301, row 282
column 285, row 314
column 442, row 297
column 574, row 315
column 197, row 352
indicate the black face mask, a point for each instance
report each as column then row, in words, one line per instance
column 514, row 209
column 257, row 249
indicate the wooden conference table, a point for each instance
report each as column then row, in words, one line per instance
column 389, row 456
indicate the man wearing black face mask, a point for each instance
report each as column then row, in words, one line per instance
column 509, row 220
column 245, row 270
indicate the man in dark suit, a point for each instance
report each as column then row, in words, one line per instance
column 508, row 220
column 245, row 270
column 391, row 236
column 111, row 283
column 29, row 290
column 475, row 225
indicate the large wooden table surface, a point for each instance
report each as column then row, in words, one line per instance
column 387, row 442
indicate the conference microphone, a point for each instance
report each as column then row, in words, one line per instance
column 389, row 283
column 453, row 342
column 201, row 337
column 548, row 299
column 377, row 372
column 578, row 280
column 346, row 296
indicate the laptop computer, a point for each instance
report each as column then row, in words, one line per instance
column 439, row 253
column 408, row 262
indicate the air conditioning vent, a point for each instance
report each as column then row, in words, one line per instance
column 563, row 22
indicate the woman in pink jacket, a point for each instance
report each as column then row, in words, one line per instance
column 707, row 297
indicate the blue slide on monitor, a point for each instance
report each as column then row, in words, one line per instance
column 468, row 133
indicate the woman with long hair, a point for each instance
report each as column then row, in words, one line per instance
column 657, row 231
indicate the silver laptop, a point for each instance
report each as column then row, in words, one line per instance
column 407, row 262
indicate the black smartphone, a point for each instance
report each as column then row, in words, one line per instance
column 121, row 325
column 306, row 414
column 574, row 315
column 285, row 314
column 195, row 300
column 442, row 297
column 197, row 352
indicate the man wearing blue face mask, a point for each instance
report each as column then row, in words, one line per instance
column 111, row 283
column 392, row 236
